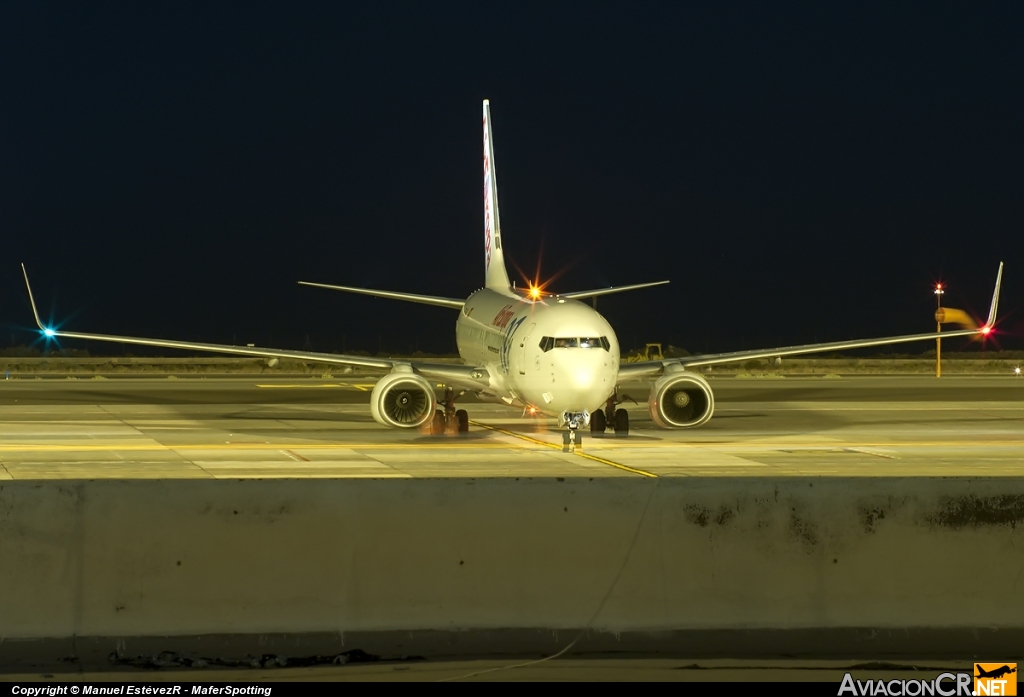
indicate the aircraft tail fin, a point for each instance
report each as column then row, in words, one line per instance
column 495, row 275
column 994, row 307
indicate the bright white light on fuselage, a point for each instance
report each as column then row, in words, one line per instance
column 534, row 293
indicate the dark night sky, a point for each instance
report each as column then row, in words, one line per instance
column 799, row 171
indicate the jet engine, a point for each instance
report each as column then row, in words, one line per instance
column 681, row 400
column 403, row 400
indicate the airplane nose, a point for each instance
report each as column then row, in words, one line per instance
column 584, row 381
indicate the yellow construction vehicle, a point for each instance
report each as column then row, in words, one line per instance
column 651, row 352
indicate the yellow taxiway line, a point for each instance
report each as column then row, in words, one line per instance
column 35, row 447
column 588, row 456
column 361, row 388
column 299, row 387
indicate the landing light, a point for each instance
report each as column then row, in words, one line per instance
column 49, row 333
column 1016, row 370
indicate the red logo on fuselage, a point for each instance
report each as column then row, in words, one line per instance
column 502, row 318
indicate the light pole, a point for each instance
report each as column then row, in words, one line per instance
column 940, row 315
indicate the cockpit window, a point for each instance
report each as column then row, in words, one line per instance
column 548, row 342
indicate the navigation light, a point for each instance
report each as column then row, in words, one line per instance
column 986, row 330
column 49, row 333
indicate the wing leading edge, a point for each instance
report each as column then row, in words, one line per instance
column 454, row 303
column 581, row 294
column 461, row 375
column 631, row 371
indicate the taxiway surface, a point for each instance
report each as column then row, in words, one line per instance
column 299, row 428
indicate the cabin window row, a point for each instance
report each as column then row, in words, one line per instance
column 550, row 342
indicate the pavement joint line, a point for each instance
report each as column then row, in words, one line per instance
column 587, row 456
column 724, row 447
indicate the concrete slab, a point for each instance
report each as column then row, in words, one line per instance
column 259, row 428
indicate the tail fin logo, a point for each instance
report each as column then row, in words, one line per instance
column 487, row 207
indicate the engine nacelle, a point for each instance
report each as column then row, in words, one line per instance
column 403, row 400
column 681, row 400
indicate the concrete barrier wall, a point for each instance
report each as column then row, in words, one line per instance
column 614, row 555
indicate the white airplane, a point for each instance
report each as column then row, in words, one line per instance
column 529, row 349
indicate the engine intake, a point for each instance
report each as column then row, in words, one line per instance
column 403, row 400
column 681, row 400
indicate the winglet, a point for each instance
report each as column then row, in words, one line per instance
column 990, row 322
column 32, row 300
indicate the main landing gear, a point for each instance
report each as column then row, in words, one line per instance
column 450, row 420
column 611, row 415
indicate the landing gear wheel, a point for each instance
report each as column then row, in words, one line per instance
column 597, row 422
column 437, row 423
column 621, row 423
column 571, row 440
column 463, row 420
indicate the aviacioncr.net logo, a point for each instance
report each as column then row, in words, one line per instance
column 945, row 685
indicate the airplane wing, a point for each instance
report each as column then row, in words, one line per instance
column 581, row 294
column 643, row 369
column 394, row 295
column 453, row 374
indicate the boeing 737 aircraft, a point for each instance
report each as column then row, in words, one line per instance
column 530, row 350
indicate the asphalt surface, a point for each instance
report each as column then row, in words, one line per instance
column 265, row 428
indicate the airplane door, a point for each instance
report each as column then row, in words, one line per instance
column 521, row 351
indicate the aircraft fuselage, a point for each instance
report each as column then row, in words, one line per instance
column 554, row 354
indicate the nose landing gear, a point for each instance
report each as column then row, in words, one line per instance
column 572, row 438
column 451, row 420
